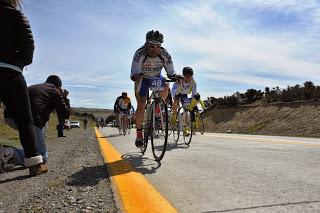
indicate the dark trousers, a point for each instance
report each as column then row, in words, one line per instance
column 14, row 95
column 60, row 127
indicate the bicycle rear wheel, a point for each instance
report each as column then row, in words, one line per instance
column 187, row 127
column 159, row 128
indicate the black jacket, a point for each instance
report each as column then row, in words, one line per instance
column 44, row 98
column 16, row 40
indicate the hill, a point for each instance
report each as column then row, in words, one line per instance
column 91, row 111
column 285, row 119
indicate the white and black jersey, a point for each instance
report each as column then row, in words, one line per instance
column 151, row 67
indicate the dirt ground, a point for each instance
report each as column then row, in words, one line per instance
column 77, row 180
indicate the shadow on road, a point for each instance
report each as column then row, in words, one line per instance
column 173, row 145
column 140, row 163
column 15, row 179
column 88, row 176
column 111, row 136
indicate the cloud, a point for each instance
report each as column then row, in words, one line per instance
column 231, row 44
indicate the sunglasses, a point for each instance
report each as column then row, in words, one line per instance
column 154, row 46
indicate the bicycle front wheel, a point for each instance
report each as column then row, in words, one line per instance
column 146, row 133
column 176, row 127
column 159, row 128
column 187, row 127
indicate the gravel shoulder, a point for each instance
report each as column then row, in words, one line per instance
column 77, row 180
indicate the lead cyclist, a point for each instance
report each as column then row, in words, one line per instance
column 147, row 63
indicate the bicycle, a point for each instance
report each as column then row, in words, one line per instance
column 123, row 123
column 129, row 121
column 183, row 123
column 198, row 124
column 156, row 125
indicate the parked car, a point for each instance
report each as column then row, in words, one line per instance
column 75, row 124
column 66, row 125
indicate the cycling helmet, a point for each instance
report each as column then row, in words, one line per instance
column 187, row 71
column 55, row 80
column 197, row 96
column 154, row 37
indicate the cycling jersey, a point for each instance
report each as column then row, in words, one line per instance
column 151, row 67
column 122, row 103
column 184, row 88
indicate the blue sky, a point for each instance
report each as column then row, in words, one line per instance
column 232, row 45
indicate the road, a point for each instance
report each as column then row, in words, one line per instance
column 231, row 173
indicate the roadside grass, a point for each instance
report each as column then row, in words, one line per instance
column 9, row 136
column 259, row 126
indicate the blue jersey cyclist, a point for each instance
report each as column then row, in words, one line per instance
column 148, row 62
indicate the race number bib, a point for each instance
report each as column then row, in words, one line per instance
column 156, row 84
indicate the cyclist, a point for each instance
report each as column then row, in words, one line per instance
column 194, row 105
column 122, row 105
column 180, row 91
column 148, row 62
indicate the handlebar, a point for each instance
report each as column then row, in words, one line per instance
column 168, row 79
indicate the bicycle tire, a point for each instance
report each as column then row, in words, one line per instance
column 187, row 139
column 145, row 138
column 176, row 129
column 163, row 121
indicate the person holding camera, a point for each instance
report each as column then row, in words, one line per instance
column 44, row 98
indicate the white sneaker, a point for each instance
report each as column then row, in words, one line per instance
column 6, row 158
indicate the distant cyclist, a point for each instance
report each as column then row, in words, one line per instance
column 122, row 106
column 148, row 62
column 194, row 105
column 180, row 91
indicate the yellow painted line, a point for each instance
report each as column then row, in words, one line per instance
column 135, row 192
column 265, row 140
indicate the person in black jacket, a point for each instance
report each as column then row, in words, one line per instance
column 61, row 118
column 44, row 98
column 16, row 51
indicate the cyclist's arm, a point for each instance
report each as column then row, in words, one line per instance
column 116, row 105
column 136, row 65
column 174, row 89
column 168, row 64
column 194, row 89
column 129, row 104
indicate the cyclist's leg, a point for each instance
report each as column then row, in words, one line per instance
column 175, row 106
column 164, row 93
column 141, row 97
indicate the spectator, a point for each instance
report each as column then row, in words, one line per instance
column 16, row 51
column 44, row 99
column 61, row 119
column 85, row 122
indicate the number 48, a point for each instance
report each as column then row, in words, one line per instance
column 156, row 83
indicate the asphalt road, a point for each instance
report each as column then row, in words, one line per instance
column 232, row 173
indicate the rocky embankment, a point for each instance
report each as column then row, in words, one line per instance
column 285, row 119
